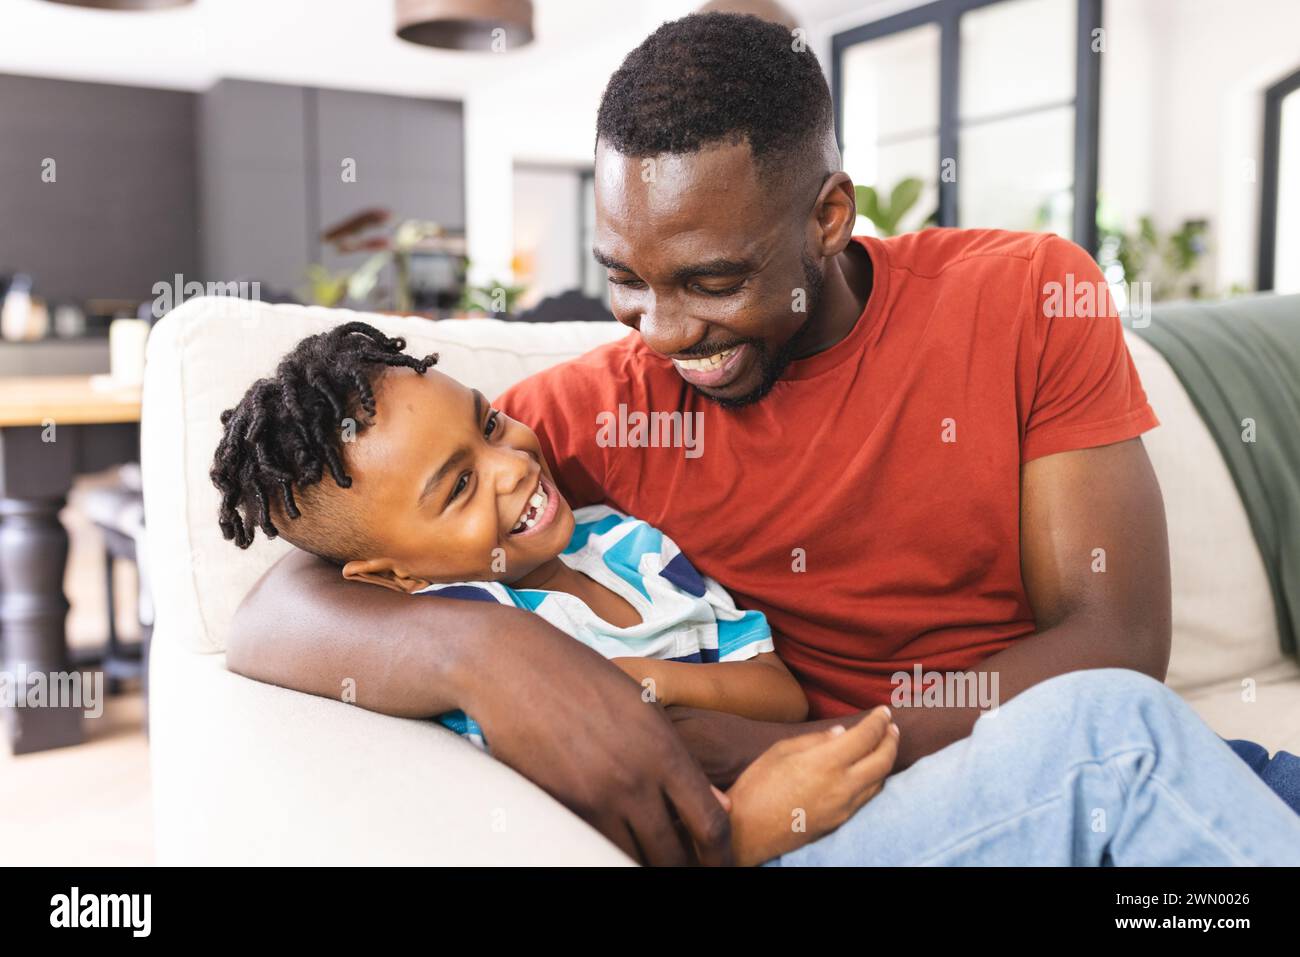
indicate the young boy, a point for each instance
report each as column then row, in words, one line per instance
column 406, row 479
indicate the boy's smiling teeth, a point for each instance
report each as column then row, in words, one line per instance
column 532, row 511
column 708, row 362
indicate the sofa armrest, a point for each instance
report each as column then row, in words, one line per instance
column 248, row 773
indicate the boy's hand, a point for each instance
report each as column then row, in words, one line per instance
column 804, row 787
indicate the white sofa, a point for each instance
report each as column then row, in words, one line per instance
column 247, row 773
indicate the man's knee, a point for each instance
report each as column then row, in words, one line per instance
column 1081, row 714
column 1106, row 691
column 1110, row 683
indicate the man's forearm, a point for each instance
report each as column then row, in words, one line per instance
column 304, row 627
column 725, row 744
column 527, row 684
column 1076, row 644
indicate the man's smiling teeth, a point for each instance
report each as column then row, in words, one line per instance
column 708, row 362
column 532, row 511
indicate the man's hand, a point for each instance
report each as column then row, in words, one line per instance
column 816, row 780
column 550, row 707
column 725, row 744
column 583, row 733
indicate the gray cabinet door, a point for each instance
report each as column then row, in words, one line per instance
column 119, row 213
column 272, row 165
column 257, row 185
column 407, row 154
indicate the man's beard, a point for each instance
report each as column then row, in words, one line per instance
column 773, row 365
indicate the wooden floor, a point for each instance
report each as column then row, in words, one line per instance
column 87, row 805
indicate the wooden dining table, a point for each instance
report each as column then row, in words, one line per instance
column 52, row 429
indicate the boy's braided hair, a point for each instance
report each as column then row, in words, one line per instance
column 288, row 429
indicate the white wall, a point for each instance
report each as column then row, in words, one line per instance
column 335, row 43
column 541, row 107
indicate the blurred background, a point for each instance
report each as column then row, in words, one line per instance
column 366, row 153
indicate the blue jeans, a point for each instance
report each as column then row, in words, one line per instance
column 1281, row 772
column 1088, row 768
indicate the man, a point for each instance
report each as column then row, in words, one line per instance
column 906, row 460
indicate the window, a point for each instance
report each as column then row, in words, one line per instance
column 890, row 126
column 1279, row 211
column 991, row 103
column 554, row 222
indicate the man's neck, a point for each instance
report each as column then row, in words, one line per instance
column 845, row 291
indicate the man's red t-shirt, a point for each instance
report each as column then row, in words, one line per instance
column 870, row 504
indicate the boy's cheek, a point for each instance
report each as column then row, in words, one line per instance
column 562, row 533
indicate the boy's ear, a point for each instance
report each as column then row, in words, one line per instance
column 381, row 571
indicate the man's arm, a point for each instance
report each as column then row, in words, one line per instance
column 1094, row 556
column 1081, row 512
column 527, row 684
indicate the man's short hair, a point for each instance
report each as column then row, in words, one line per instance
column 713, row 78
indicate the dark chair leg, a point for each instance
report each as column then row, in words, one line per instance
column 113, row 651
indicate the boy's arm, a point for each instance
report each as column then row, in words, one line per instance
column 761, row 688
column 527, row 684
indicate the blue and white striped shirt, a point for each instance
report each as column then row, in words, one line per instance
column 686, row 616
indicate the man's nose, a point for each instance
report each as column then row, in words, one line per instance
column 664, row 327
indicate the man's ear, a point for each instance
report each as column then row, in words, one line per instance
column 836, row 214
column 382, row 571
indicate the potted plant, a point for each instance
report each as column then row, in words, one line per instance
column 356, row 234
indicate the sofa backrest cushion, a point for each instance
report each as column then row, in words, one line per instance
column 205, row 354
column 1223, row 620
